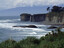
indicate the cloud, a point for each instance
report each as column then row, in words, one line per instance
column 5, row 4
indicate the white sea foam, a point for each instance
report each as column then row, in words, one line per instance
column 62, row 29
column 9, row 20
column 7, row 27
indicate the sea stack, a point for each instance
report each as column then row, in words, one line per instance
column 25, row 17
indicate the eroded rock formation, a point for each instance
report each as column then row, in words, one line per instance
column 33, row 18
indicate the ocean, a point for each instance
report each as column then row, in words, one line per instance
column 7, row 31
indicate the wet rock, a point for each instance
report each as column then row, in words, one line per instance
column 29, row 26
column 52, row 27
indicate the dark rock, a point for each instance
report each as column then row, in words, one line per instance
column 25, row 17
column 52, row 27
column 29, row 26
column 33, row 18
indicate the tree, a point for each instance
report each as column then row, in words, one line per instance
column 48, row 9
column 57, row 9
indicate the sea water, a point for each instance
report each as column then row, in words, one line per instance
column 7, row 30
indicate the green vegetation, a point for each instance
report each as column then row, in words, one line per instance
column 55, row 9
column 54, row 40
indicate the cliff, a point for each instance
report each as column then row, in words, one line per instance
column 49, row 18
column 33, row 18
column 25, row 17
column 55, row 18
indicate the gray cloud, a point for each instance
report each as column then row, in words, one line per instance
column 5, row 4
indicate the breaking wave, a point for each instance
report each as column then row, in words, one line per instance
column 7, row 30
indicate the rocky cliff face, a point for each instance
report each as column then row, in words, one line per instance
column 55, row 17
column 38, row 17
column 49, row 18
column 33, row 18
column 25, row 17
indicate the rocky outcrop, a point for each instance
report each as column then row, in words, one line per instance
column 25, row 17
column 49, row 18
column 38, row 17
column 33, row 18
column 29, row 26
column 55, row 18
column 52, row 27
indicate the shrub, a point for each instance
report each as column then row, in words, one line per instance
column 8, row 44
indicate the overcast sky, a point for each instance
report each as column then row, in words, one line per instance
column 6, row 4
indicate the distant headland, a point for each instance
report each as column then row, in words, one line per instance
column 55, row 15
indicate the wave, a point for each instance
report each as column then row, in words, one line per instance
column 9, row 20
column 7, row 29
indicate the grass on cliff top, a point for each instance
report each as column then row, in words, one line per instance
column 54, row 40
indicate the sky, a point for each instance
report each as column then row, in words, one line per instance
column 7, row 4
